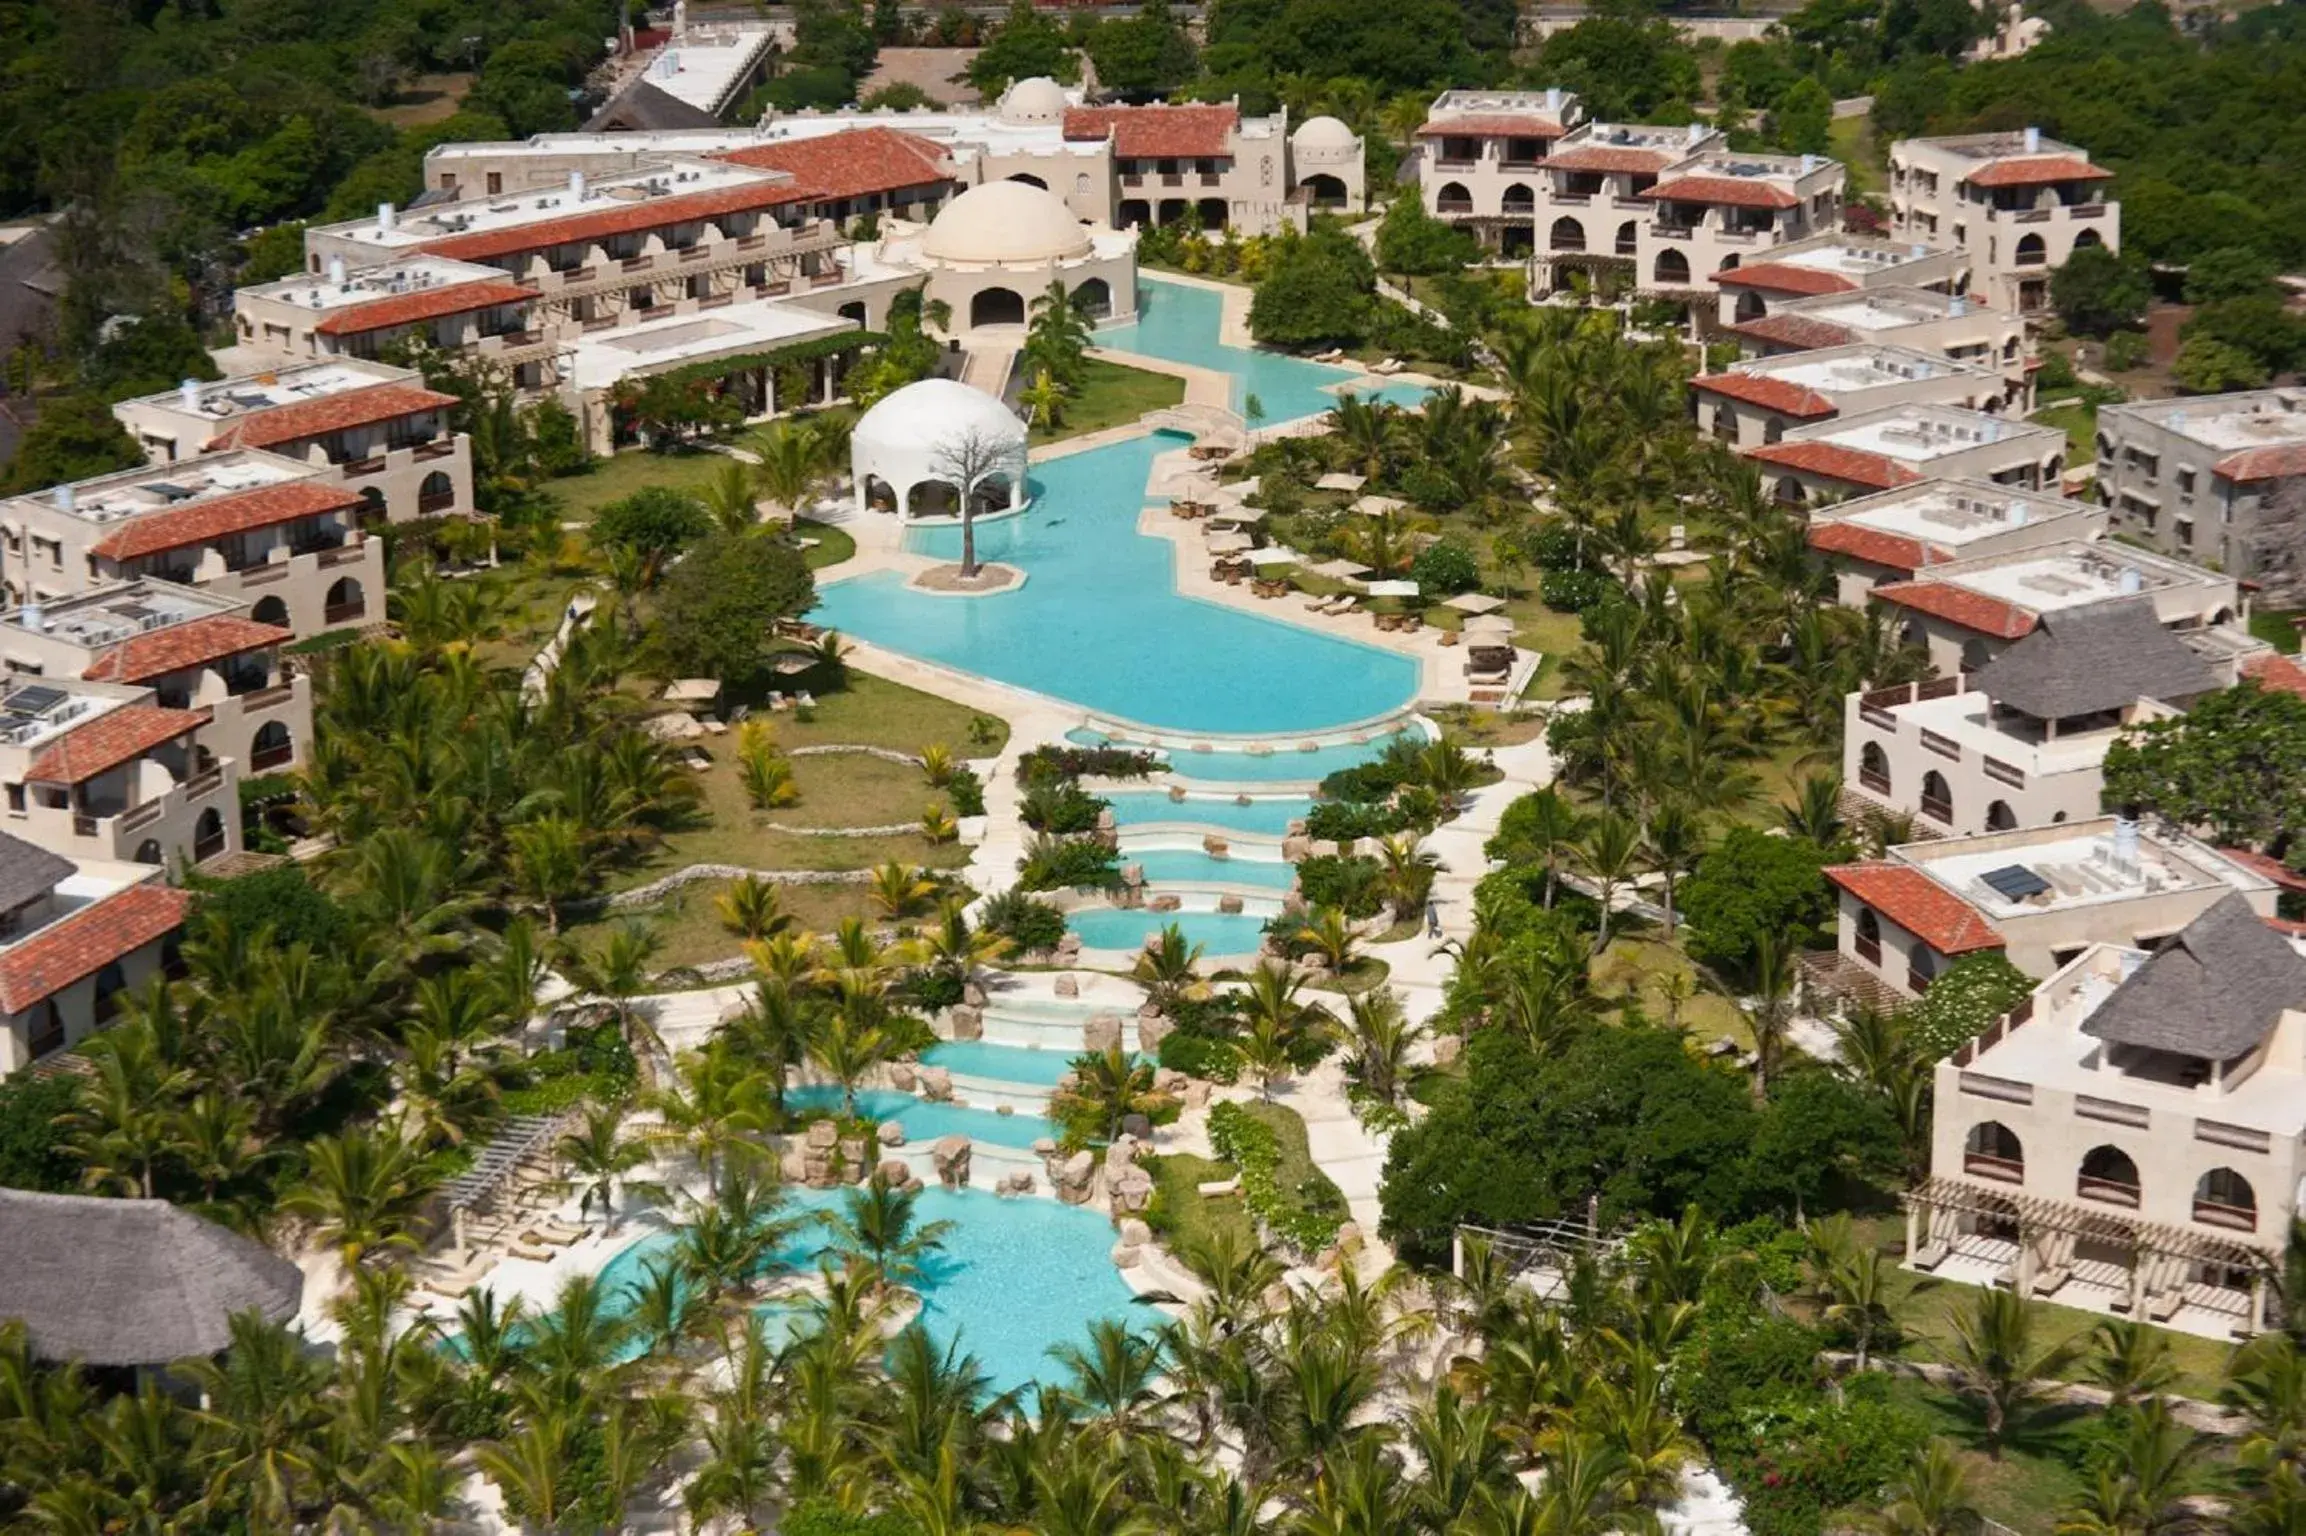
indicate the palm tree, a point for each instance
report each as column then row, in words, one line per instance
column 753, row 908
column 548, row 863
column 1329, row 934
column 1378, row 1037
column 1265, row 1050
column 361, row 1188
column 1409, row 870
column 2130, row 1360
column 121, row 1129
column 1998, row 1362
column 1932, row 1496
column 1169, row 970
column 772, row 1030
column 848, row 1047
column 619, row 970
column 1857, row 1285
column 1816, row 813
column 1107, row 1087
column 792, row 461
column 598, row 1157
column 1044, row 400
column 718, row 1103
column 1058, row 339
column 728, row 496
column 1114, row 1382
column 876, row 1231
column 1611, row 848
column 1540, row 828
column 1776, row 970
column 952, row 947
column 897, row 890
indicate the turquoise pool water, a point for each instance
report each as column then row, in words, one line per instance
column 1267, row 818
column 1220, row 933
column 1017, row 1064
column 1182, row 323
column 926, row 1122
column 1099, row 621
column 1190, row 866
column 1016, row 1278
column 1285, row 766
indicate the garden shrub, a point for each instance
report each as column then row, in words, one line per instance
column 1304, row 1218
column 822, row 1517
column 1752, row 884
column 1061, row 808
column 1068, row 863
column 1346, row 821
column 1574, row 591
column 1055, row 764
column 1198, row 1055
column 1028, row 924
column 1445, row 567
column 967, row 792
column 1967, row 997
column 594, row 1062
column 1348, row 882
column 1796, row 1459
column 1554, row 547
column 32, row 1152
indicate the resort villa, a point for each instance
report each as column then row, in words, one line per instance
column 1834, row 263
column 2128, row 1140
column 2040, row 895
column 1922, row 319
column 74, row 935
column 1851, row 455
column 1758, row 401
column 2213, row 477
column 2019, row 203
column 1890, row 535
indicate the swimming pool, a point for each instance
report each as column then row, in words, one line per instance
column 992, row 1061
column 925, row 1121
column 1285, row 765
column 1263, row 817
column 1219, row 933
column 1190, row 866
column 1016, row 1277
column 1099, row 622
column 1182, row 322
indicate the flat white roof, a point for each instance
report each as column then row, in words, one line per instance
column 1641, row 136
column 1917, row 434
column 1968, row 718
column 600, row 360
column 150, row 487
column 104, row 618
column 2079, row 865
column 702, row 68
column 2260, row 418
column 1851, row 258
column 1952, row 513
column 1879, row 309
column 365, row 285
column 1866, row 366
column 36, row 710
column 227, row 398
column 2073, row 575
column 675, row 178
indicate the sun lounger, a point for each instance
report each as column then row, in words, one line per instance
column 2049, row 1280
column 1930, row 1255
column 1345, row 604
column 777, row 703
column 804, row 700
column 1389, row 366
column 1319, row 603
column 535, row 1253
column 2165, row 1306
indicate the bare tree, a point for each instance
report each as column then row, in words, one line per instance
column 969, row 458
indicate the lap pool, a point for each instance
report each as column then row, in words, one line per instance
column 1099, row 621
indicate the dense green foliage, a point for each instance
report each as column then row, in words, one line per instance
column 2234, row 765
column 1965, row 998
column 1752, row 885
column 716, row 614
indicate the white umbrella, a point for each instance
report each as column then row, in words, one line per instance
column 1475, row 602
column 1378, row 506
column 1341, row 570
column 1238, row 515
column 1227, row 543
column 1393, row 589
column 1489, row 624
column 1277, row 554
column 1338, row 480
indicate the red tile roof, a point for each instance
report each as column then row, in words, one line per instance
column 184, row 645
column 2265, row 864
column 280, row 424
column 87, row 941
column 1605, row 157
column 854, row 164
column 1798, row 331
column 110, row 740
column 1831, row 461
column 2036, row 172
column 423, row 304
column 1871, row 545
column 201, row 521
column 1730, row 191
column 1158, row 132
column 1918, row 904
column 1783, row 277
column 1959, row 605
column 1493, row 125
column 2272, row 463
column 2279, row 673
column 1770, row 394
column 618, row 218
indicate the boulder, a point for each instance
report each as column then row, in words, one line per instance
column 1123, row 1153
column 1295, row 848
column 1324, row 847
column 1067, row 986
column 1216, row 847
column 892, row 1134
column 1101, row 1033
column 1130, row 1192
column 1135, row 1232
column 1296, row 827
column 902, row 1076
column 1126, row 1255
column 1197, row 1093
column 1105, row 821
column 1168, row 1079
column 936, row 1084
column 950, row 1157
column 1446, row 1049
column 1176, row 793
column 1045, row 1148
column 824, row 1135
column 972, row 995
column 853, row 1166
column 1136, row 1125
column 1166, row 903
column 894, row 1172
column 1152, row 1029
column 1068, row 947
column 968, row 1021
column 1229, row 904
column 794, row 1166
column 1075, row 1178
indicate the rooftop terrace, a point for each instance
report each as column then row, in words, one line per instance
column 110, row 615
column 2073, row 573
column 697, row 188
column 2263, row 418
column 1918, row 434
column 2061, row 868
column 229, row 398
column 131, row 493
column 1882, row 309
column 1868, row 365
column 1850, row 256
column 1951, row 513
column 339, row 288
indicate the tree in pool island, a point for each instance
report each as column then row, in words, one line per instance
column 969, row 458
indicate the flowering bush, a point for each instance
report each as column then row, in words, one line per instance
column 1304, row 1218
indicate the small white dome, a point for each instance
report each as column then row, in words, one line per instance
column 924, row 416
column 1005, row 221
column 1036, row 99
column 1323, row 133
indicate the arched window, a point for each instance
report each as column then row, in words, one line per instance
column 1790, row 492
column 2000, row 818
column 1568, row 234
column 1093, row 299
column 272, row 747
column 1750, row 307
column 1729, row 263
column 1921, row 967
column 344, row 603
column 372, row 509
column 149, row 852
column 207, row 836
column 1214, row 212
column 854, row 310
column 110, row 983
column 1326, row 191
column 2031, row 251
column 996, row 306
column 1992, row 1151
column 2109, row 1175
column 270, row 610
column 1519, row 199
column 2088, row 238
column 1453, row 198
column 1868, row 936
column 1874, row 768
column 437, row 494
column 1975, row 654
column 1135, row 213
column 2223, row 1198
column 1671, row 267
column 1937, row 797
column 1628, row 238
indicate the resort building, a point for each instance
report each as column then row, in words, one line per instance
column 2040, row 895
column 1890, row 535
column 74, row 935
column 2019, row 203
column 2128, row 1139
column 912, row 450
column 1835, row 263
column 1759, row 400
column 337, row 311
column 2217, row 477
column 104, row 771
column 193, row 649
column 1922, row 319
column 1966, row 612
column 376, row 430
column 1852, row 455
column 1481, row 160
column 996, row 248
column 2021, row 741
column 284, row 536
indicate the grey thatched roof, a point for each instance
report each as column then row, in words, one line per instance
column 28, row 873
column 2078, row 661
column 646, row 108
column 131, row 1282
column 2213, row 991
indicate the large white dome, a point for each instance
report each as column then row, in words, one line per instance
column 1036, row 99
column 1323, row 133
column 1006, row 221
column 925, row 416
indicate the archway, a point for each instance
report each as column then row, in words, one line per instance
column 854, row 310
column 272, row 746
column 933, row 498
column 149, row 852
column 1874, row 768
column 1174, row 210
column 1921, row 967
column 436, row 494
column 2088, row 237
column 1750, row 306
column 1093, row 299
column 2109, row 1175
column 1214, row 212
column 2000, row 818
column 880, row 496
column 2223, row 1198
column 1867, row 935
column 2031, row 251
column 1325, row 191
column 1671, row 267
column 1992, row 1150
column 344, row 603
column 1628, row 239
column 1030, row 180
column 1453, row 198
column 1789, row 491
column 1135, row 213
column 207, row 836
column 1937, row 797
column 997, row 306
column 110, row 983
column 372, row 508
column 270, row 610
column 1520, row 202
column 1568, row 234
column 1729, row 263
column 994, row 493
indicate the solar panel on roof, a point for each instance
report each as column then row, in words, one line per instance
column 167, row 490
column 36, row 699
column 2015, row 882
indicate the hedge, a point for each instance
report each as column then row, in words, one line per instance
column 1305, row 1218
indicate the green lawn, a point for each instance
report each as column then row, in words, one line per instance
column 618, row 476
column 1189, row 1217
column 833, row 545
column 693, row 933
column 1296, row 1170
column 1851, row 141
column 2079, row 421
column 1112, row 395
column 1651, row 968
column 2278, row 627
column 2034, row 1480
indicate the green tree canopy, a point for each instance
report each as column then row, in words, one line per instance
column 716, row 611
column 1412, row 241
column 656, row 521
column 1029, row 43
column 75, row 436
column 1966, row 997
column 1317, row 290
column 2235, row 764
column 1752, row 884
column 2097, row 291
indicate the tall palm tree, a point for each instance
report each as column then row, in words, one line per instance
column 1776, row 972
column 792, row 461
column 1999, row 1363
column 599, row 1157
column 1106, row 1088
column 619, row 970
column 772, row 1030
column 717, row 1103
column 1169, row 969
column 1114, row 1380
column 877, row 1230
column 362, row 1188
column 1608, row 854
column 1540, row 828
column 1672, row 843
column 1378, row 1036
column 848, row 1046
column 2130, row 1360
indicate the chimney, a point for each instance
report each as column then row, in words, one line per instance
column 64, row 498
column 1958, row 307
column 2033, row 140
column 384, row 219
column 1809, row 164
column 336, row 271
column 1920, row 250
column 2125, row 845
column 1696, row 132
column 576, row 186
column 34, row 619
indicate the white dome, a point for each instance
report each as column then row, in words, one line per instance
column 1037, row 99
column 1320, row 133
column 1009, row 221
column 926, row 415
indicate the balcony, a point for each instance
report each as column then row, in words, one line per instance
column 1456, row 205
column 601, row 323
column 272, row 757
column 2107, row 1191
column 1456, row 163
column 1943, row 746
column 1133, row 179
column 426, row 506
column 2234, row 1218
column 142, row 816
column 260, row 575
column 1874, row 782
column 262, row 699
column 2032, row 216
column 751, row 242
column 693, row 253
column 655, row 312
column 636, row 263
column 1211, row 179
column 717, row 301
column 1868, row 950
column 354, row 469
column 203, row 784
column 2239, row 1137
column 1674, row 231
column 2004, row 773
column 1937, row 810
column 1738, row 236
column 344, row 613
column 1984, row 1165
column 1876, row 716
column 572, row 276
column 1572, row 199
column 1172, row 178
column 2086, row 211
